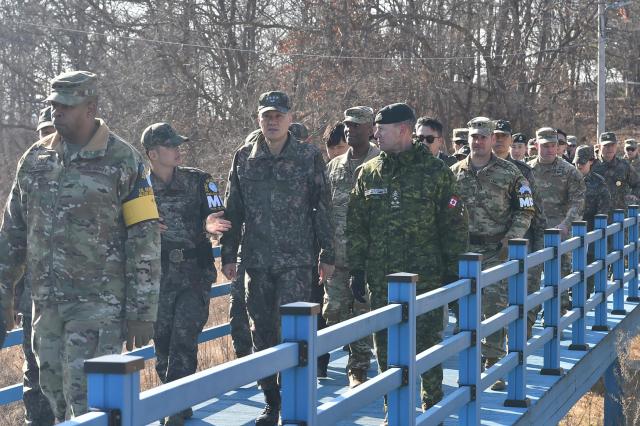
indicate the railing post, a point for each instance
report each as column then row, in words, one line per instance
column 618, row 265
column 113, row 386
column 517, row 385
column 470, row 266
column 401, row 349
column 633, row 256
column 600, row 321
column 551, row 365
column 579, row 291
column 299, row 384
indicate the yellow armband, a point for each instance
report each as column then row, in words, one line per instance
column 140, row 205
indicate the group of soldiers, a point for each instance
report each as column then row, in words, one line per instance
column 109, row 245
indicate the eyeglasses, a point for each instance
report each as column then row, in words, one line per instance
column 427, row 138
column 629, row 149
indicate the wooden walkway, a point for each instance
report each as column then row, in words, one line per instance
column 240, row 407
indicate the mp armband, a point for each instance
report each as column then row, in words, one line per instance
column 140, row 205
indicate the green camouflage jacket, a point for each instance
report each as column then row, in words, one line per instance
column 622, row 179
column 597, row 198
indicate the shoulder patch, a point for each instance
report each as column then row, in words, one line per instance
column 525, row 197
column 214, row 201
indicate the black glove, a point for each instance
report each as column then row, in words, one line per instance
column 357, row 284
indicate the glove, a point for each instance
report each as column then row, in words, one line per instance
column 138, row 332
column 357, row 284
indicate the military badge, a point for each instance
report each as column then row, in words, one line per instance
column 395, row 199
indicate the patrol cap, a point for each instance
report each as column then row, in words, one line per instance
column 546, row 135
column 299, row 131
column 161, row 134
column 608, row 138
column 519, row 138
column 502, row 126
column 572, row 140
column 481, row 126
column 461, row 135
column 73, row 88
column 584, row 153
column 395, row 113
column 44, row 119
column 359, row 115
column 274, row 101
column 631, row 142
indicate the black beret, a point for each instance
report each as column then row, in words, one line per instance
column 520, row 138
column 395, row 113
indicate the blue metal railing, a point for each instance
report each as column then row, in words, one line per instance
column 118, row 393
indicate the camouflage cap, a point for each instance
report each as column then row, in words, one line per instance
column 546, row 135
column 44, row 119
column 395, row 113
column 607, row 138
column 502, row 126
column 359, row 114
column 481, row 126
column 572, row 140
column 461, row 135
column 630, row 142
column 274, row 101
column 73, row 88
column 161, row 134
column 583, row 154
column 299, row 131
column 519, row 138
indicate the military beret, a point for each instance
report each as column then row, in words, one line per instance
column 161, row 134
column 519, row 138
column 631, row 142
column 547, row 135
column 44, row 119
column 73, row 88
column 461, row 135
column 481, row 126
column 502, row 126
column 395, row 113
column 359, row 114
column 572, row 140
column 299, row 131
column 607, row 138
column 584, row 153
column 274, row 101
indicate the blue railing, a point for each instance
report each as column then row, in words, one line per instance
column 113, row 381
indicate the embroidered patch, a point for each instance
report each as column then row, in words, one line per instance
column 210, row 187
column 375, row 191
column 525, row 198
column 214, row 201
column 395, row 199
column 453, row 202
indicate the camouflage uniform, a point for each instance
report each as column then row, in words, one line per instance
column 283, row 202
column 500, row 206
column 65, row 222
column 405, row 216
column 187, row 269
column 622, row 179
column 238, row 317
column 449, row 160
column 339, row 303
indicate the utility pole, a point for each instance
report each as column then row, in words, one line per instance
column 602, row 69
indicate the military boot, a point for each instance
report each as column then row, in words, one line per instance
column 499, row 384
column 357, row 376
column 271, row 412
column 174, row 420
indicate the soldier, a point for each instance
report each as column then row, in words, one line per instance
column 462, row 153
column 562, row 146
column 339, row 303
column 460, row 138
column 299, row 131
column 532, row 150
column 279, row 193
column 82, row 220
column 572, row 144
column 518, row 150
column 405, row 201
column 535, row 233
column 631, row 154
column 335, row 141
column 501, row 206
column 429, row 132
column 622, row 179
column 45, row 125
column 185, row 197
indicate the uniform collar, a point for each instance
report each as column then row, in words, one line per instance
column 260, row 148
column 96, row 147
column 466, row 163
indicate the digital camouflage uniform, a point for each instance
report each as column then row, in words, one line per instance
column 339, row 303
column 597, row 201
column 500, row 205
column 284, row 203
column 187, row 269
column 405, row 216
column 65, row 222
column 635, row 162
column 622, row 180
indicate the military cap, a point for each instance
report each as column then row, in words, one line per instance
column 161, row 134
column 359, row 114
column 44, row 119
column 463, row 151
column 395, row 113
column 481, row 126
column 584, row 153
column 519, row 138
column 73, row 88
column 502, row 126
column 532, row 142
column 631, row 142
column 547, row 135
column 299, row 131
column 607, row 138
column 274, row 101
column 461, row 135
column 572, row 140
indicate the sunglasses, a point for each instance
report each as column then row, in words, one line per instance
column 428, row 138
column 629, row 149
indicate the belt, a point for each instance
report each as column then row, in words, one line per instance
column 178, row 255
column 484, row 239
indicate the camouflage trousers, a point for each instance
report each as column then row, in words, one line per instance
column 37, row 411
column 495, row 298
column 238, row 318
column 268, row 289
column 533, row 285
column 64, row 336
column 181, row 316
column 428, row 334
column 339, row 305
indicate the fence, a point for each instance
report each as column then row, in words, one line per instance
column 113, row 381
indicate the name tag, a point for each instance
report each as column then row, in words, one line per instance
column 375, row 191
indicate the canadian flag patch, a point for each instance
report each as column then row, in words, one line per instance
column 453, row 202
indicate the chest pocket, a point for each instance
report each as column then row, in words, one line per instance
column 292, row 184
column 494, row 199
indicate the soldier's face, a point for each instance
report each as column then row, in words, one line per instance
column 562, row 148
column 389, row 137
column 165, row 156
column 357, row 133
column 608, row 151
column 548, row 152
column 336, row 150
column 584, row 168
column 518, row 151
column 434, row 147
column 274, row 125
column 502, row 145
column 481, row 145
column 631, row 152
column 70, row 120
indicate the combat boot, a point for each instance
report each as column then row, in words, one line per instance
column 174, row 420
column 499, row 384
column 271, row 413
column 357, row 376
